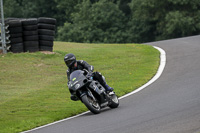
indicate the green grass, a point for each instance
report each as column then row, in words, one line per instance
column 33, row 86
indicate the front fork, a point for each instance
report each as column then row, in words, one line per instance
column 88, row 92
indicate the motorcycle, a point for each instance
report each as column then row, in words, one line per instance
column 91, row 92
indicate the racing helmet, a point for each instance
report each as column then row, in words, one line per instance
column 70, row 60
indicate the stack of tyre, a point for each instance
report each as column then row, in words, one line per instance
column 30, row 35
column 46, row 31
column 16, row 36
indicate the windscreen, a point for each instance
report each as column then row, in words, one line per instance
column 75, row 74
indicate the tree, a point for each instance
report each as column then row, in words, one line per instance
column 98, row 22
column 113, row 21
column 65, row 8
column 28, row 9
column 156, row 20
column 142, row 25
column 12, row 9
column 183, row 19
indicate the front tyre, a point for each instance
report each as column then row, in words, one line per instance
column 91, row 104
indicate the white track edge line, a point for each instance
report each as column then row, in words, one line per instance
column 158, row 74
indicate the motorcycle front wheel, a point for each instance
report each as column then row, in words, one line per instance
column 91, row 104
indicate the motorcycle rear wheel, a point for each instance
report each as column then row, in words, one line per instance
column 91, row 104
column 114, row 101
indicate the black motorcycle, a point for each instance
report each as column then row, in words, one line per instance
column 91, row 92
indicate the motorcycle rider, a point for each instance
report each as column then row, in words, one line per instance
column 73, row 64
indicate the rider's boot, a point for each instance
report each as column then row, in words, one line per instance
column 108, row 88
column 73, row 97
column 102, row 81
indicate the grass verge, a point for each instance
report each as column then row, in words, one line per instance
column 33, row 86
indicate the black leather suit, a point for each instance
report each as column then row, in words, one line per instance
column 84, row 65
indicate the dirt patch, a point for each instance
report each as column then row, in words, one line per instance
column 47, row 52
column 39, row 65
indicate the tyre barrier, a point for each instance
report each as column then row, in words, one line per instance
column 16, row 36
column 31, row 35
column 46, row 32
column 30, row 40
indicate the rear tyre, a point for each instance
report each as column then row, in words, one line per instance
column 91, row 104
column 114, row 101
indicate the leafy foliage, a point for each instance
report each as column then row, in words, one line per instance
column 98, row 22
column 113, row 21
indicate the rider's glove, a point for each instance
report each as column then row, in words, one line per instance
column 90, row 74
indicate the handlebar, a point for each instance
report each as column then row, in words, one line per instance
column 88, row 74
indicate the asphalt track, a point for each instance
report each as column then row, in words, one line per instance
column 170, row 105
